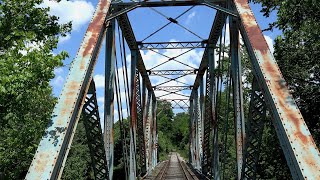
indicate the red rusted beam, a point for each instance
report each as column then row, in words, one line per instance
column 297, row 143
column 53, row 149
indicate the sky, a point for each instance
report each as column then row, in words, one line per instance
column 144, row 21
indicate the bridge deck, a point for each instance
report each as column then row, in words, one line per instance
column 174, row 169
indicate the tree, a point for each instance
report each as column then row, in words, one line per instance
column 28, row 36
column 297, row 52
column 78, row 165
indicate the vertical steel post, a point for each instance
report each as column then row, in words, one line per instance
column 147, row 118
column 207, row 121
column 301, row 152
column 137, row 113
column 133, row 118
column 191, row 113
column 50, row 157
column 212, row 96
column 154, row 132
column 110, row 58
column 237, row 92
column 209, row 114
column 140, row 128
column 201, row 123
column 197, row 119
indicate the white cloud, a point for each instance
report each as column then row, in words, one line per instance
column 100, row 100
column 190, row 17
column 57, row 81
column 270, row 43
column 58, row 70
column 64, row 39
column 79, row 12
column 99, row 80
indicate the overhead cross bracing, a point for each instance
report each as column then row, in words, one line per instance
column 143, row 68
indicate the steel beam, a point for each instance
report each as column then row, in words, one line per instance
column 52, row 152
column 215, row 4
column 207, row 124
column 172, row 88
column 197, row 122
column 154, row 133
column 301, row 152
column 91, row 121
column 215, row 32
column 117, row 12
column 236, row 76
column 192, row 130
column 121, row 5
column 255, row 124
column 147, row 118
column 110, row 59
column 176, row 99
column 172, row 72
column 180, row 107
column 212, row 117
column 133, row 118
column 127, row 31
column 201, row 123
column 172, row 45
column 137, row 115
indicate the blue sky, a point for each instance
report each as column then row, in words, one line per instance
column 144, row 21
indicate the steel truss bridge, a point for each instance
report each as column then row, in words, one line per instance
column 269, row 94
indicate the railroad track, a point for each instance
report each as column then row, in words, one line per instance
column 176, row 169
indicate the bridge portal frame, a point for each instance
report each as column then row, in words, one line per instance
column 296, row 141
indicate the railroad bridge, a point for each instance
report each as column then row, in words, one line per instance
column 269, row 97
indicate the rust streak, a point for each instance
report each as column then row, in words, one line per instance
column 282, row 95
column 41, row 162
column 94, row 28
column 258, row 42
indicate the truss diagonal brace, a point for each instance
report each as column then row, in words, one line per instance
column 92, row 126
column 220, row 8
column 217, row 26
column 118, row 12
column 53, row 149
column 172, row 45
column 256, row 121
column 172, row 88
column 295, row 138
column 127, row 31
column 172, row 72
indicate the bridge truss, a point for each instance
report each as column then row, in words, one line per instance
column 269, row 94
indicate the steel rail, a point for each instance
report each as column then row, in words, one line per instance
column 163, row 170
column 185, row 171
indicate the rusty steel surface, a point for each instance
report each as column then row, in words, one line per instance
column 154, row 133
column 147, row 120
column 53, row 148
column 298, row 145
column 133, row 118
column 237, row 94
